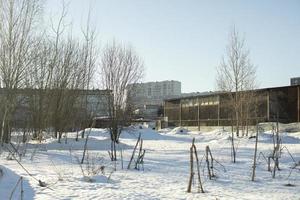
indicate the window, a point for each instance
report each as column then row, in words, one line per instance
column 149, row 92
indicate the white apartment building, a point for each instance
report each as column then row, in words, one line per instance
column 148, row 97
column 152, row 93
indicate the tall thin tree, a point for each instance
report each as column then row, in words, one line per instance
column 121, row 66
column 235, row 74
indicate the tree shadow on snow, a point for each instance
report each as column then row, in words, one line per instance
column 93, row 144
column 8, row 182
column 149, row 134
column 286, row 139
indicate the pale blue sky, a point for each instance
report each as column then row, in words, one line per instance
column 185, row 40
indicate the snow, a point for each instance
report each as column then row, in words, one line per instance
column 166, row 167
column 179, row 130
column 8, row 182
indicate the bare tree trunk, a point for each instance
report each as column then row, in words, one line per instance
column 3, row 131
column 121, row 67
column 59, row 136
column 121, row 154
column 24, row 138
column 277, row 144
column 276, row 151
column 232, row 145
column 237, row 126
column 235, row 75
column 82, row 133
column 86, row 141
column 113, row 149
column 247, row 130
column 77, row 136
column 255, row 153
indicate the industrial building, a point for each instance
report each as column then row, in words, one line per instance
column 215, row 109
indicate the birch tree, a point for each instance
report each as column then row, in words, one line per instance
column 236, row 74
column 120, row 67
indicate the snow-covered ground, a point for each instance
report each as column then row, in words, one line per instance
column 166, row 168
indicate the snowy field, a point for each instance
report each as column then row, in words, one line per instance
column 166, row 168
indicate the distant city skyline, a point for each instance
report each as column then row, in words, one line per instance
column 185, row 40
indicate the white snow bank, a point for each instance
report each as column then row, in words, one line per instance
column 166, row 165
column 95, row 179
column 179, row 130
column 165, row 130
column 94, row 143
column 146, row 133
column 286, row 138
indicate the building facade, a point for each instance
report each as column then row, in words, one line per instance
column 295, row 81
column 215, row 109
column 32, row 104
column 148, row 98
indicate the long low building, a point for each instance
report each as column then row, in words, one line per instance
column 31, row 104
column 215, row 109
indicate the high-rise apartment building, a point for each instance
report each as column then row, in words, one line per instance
column 149, row 97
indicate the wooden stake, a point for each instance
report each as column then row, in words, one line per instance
column 193, row 150
column 132, row 156
column 200, row 188
column 191, row 171
column 207, row 162
column 191, row 167
column 139, row 156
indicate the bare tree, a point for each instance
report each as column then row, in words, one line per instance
column 248, row 110
column 89, row 59
column 17, row 23
column 37, row 94
column 121, row 67
column 236, row 74
column 61, row 71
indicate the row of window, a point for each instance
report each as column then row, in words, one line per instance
column 201, row 101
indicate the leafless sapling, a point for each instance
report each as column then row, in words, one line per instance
column 121, row 66
column 236, row 74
